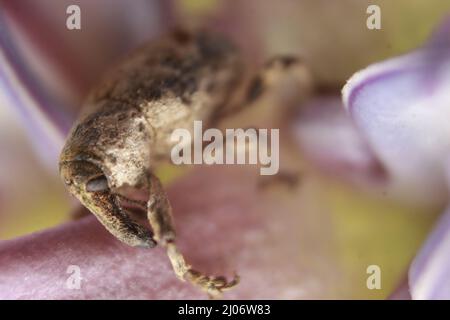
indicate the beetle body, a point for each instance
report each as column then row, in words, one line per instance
column 127, row 121
column 125, row 128
column 124, row 132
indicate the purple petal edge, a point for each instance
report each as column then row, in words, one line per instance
column 401, row 105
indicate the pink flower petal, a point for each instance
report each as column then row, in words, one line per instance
column 224, row 224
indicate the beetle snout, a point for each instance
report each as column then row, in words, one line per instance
column 87, row 182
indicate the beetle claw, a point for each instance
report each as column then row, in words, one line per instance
column 213, row 286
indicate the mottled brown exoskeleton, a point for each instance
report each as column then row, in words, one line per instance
column 125, row 127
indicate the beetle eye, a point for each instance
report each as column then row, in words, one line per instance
column 97, row 184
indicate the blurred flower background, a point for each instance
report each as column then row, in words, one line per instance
column 346, row 221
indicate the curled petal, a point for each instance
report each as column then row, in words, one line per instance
column 402, row 107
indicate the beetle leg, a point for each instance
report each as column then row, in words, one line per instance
column 283, row 81
column 160, row 217
column 287, row 79
column 87, row 182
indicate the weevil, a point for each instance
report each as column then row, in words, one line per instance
column 124, row 130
